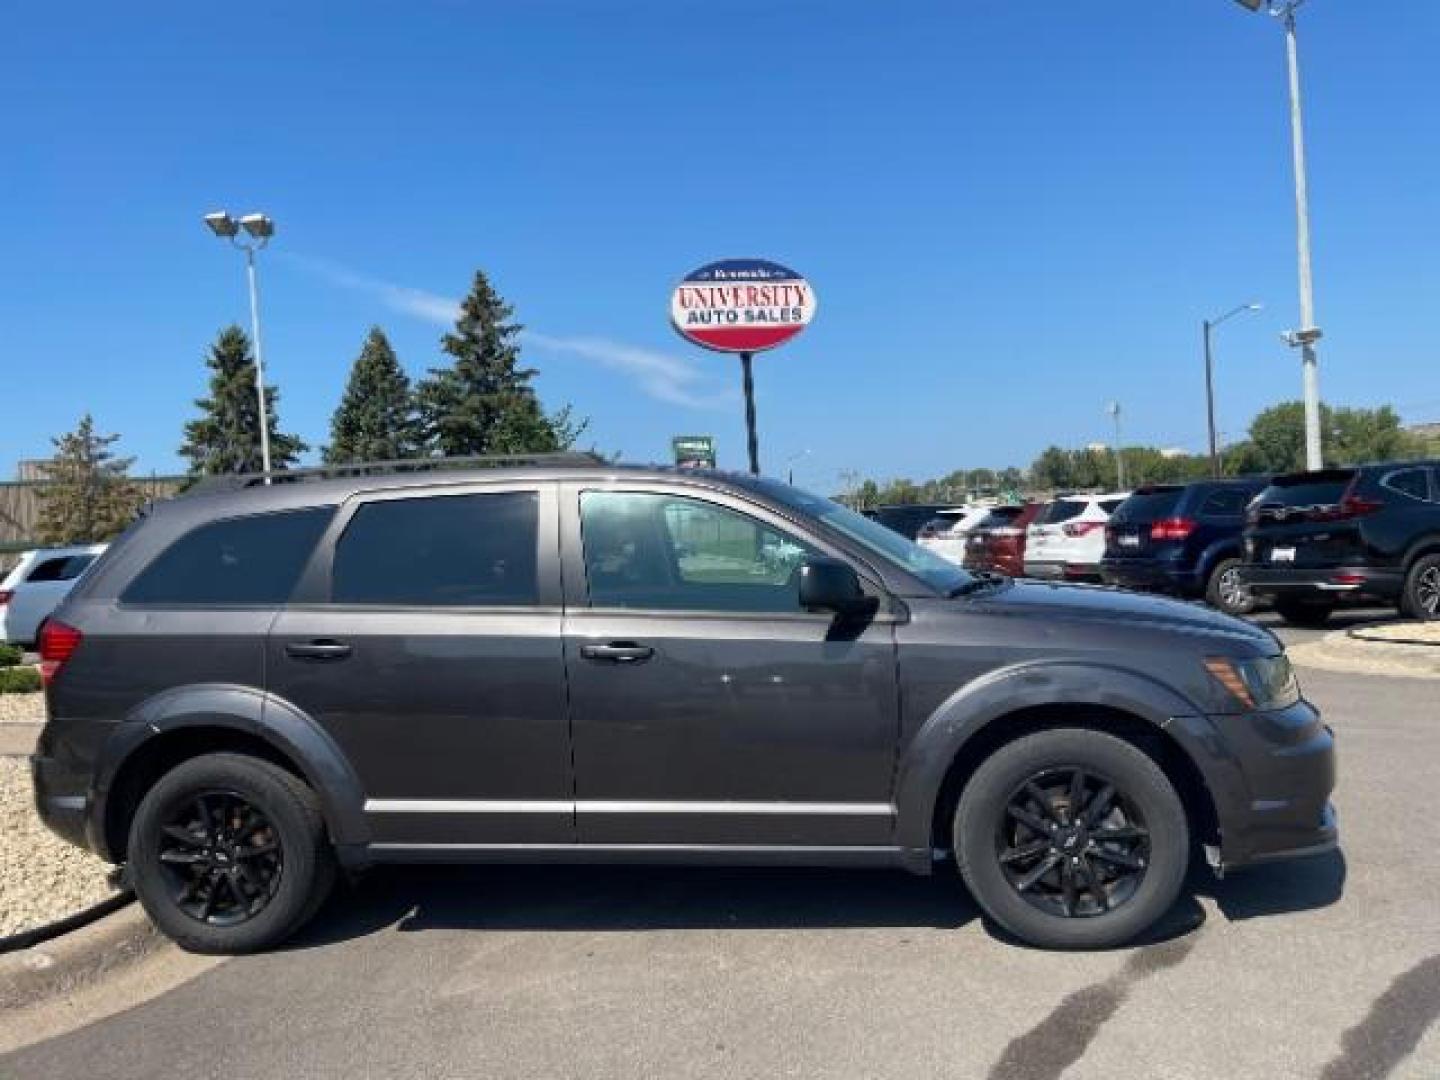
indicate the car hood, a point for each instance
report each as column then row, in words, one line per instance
column 1041, row 600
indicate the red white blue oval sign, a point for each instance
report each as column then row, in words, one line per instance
column 742, row 305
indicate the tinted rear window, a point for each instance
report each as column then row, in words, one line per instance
column 1149, row 505
column 440, row 551
column 1321, row 489
column 1058, row 511
column 237, row 561
column 1001, row 515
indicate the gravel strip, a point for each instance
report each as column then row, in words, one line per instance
column 42, row 878
column 22, row 708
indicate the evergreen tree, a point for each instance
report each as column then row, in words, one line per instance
column 90, row 497
column 226, row 437
column 484, row 403
column 376, row 418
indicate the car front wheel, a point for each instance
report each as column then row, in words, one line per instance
column 228, row 854
column 1072, row 839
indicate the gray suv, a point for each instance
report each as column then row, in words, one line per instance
column 565, row 660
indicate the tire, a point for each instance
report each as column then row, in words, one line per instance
column 1115, row 911
column 278, row 873
column 1421, row 597
column 1312, row 613
column 1225, row 590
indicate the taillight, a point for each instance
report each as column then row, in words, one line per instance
column 58, row 642
column 5, row 595
column 1082, row 528
column 1353, row 505
column 1174, row 528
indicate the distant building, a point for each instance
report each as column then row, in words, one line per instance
column 1174, row 452
column 1425, row 431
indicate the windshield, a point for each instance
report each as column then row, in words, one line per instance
column 883, row 543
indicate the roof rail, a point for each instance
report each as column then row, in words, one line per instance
column 237, row 481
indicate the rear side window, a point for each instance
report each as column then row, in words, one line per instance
column 441, row 551
column 1110, row 505
column 1149, row 505
column 250, row 561
column 1412, row 482
column 1227, row 502
column 1000, row 517
column 1058, row 511
column 63, row 568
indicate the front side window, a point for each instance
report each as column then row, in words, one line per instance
column 440, row 551
column 248, row 561
column 668, row 552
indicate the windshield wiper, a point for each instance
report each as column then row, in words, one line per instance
column 979, row 579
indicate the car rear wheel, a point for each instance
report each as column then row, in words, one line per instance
column 228, row 854
column 1421, row 598
column 1226, row 590
column 1296, row 612
column 1072, row 839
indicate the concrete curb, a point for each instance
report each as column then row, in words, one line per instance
column 18, row 740
column 66, row 964
column 1342, row 651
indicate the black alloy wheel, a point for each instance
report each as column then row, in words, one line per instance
column 1422, row 589
column 1072, row 844
column 221, row 857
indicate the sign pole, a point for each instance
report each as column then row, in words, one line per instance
column 752, row 440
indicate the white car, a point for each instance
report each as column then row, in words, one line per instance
column 1066, row 541
column 31, row 591
column 946, row 533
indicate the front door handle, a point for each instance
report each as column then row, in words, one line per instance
column 618, row 652
column 320, row 649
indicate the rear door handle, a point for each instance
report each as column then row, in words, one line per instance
column 320, row 649
column 618, row 652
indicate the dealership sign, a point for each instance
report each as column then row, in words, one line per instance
column 742, row 305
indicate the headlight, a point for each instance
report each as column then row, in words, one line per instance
column 1261, row 683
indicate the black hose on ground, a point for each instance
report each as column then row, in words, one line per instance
column 26, row 939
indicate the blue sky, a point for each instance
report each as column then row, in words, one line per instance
column 1010, row 212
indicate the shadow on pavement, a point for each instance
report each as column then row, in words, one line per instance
column 589, row 898
column 1278, row 889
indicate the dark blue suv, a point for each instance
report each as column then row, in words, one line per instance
column 1184, row 540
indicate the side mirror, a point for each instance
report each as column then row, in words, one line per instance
column 832, row 585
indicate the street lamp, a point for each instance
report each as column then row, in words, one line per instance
column 1114, row 410
column 1305, row 338
column 260, row 229
column 1210, row 325
column 790, row 465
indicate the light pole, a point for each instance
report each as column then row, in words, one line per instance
column 1114, row 410
column 1305, row 338
column 1210, row 325
column 790, row 465
column 260, row 229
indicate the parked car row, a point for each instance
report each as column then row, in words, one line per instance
column 36, row 585
column 1304, row 541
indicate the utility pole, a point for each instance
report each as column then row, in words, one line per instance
column 1114, row 410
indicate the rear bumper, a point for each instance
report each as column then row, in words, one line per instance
column 1056, row 570
column 1149, row 575
column 1282, row 810
column 1330, row 581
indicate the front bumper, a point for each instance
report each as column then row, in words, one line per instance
column 1330, row 581
column 1279, row 807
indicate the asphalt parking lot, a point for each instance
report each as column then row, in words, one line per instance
column 1328, row 968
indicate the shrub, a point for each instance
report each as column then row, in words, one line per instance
column 19, row 680
column 10, row 655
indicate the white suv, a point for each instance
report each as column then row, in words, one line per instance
column 1066, row 541
column 946, row 533
column 31, row 591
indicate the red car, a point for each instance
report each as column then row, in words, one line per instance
column 998, row 542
